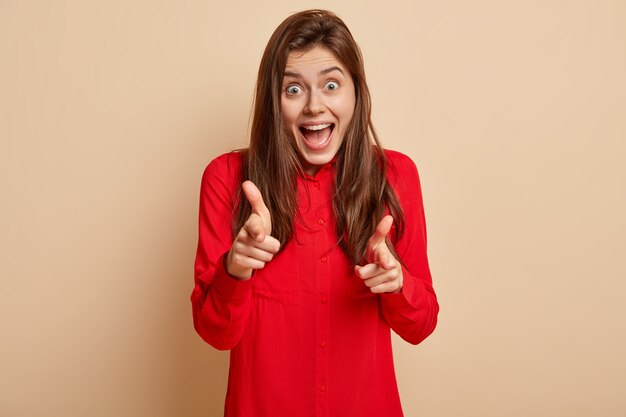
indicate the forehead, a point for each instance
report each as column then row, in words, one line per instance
column 313, row 58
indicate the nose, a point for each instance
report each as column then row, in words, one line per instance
column 315, row 103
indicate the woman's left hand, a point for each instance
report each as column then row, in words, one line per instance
column 383, row 272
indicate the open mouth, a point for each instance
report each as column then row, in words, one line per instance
column 317, row 136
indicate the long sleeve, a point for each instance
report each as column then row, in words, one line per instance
column 221, row 303
column 306, row 336
column 412, row 313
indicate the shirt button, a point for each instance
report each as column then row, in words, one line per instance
column 323, row 388
column 324, row 259
column 324, row 300
column 320, row 221
column 323, row 344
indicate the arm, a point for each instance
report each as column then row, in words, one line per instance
column 220, row 302
column 411, row 313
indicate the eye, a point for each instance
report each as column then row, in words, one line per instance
column 332, row 85
column 292, row 90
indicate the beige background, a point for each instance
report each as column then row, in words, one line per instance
column 514, row 112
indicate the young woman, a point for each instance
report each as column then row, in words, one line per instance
column 312, row 241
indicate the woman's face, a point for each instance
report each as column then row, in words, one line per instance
column 317, row 103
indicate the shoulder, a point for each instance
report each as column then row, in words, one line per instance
column 229, row 162
column 225, row 165
column 403, row 177
column 224, row 171
column 399, row 166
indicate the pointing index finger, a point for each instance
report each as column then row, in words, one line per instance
column 381, row 232
column 255, row 228
column 255, row 198
column 253, row 195
column 379, row 236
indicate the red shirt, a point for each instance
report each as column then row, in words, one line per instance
column 307, row 337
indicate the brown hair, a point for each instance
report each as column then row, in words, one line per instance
column 271, row 161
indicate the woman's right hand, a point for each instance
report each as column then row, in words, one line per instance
column 253, row 246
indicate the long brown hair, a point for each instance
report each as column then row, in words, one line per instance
column 361, row 192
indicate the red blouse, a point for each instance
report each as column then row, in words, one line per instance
column 307, row 337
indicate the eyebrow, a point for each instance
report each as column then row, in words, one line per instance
column 322, row 72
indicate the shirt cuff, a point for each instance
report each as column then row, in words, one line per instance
column 406, row 294
column 229, row 287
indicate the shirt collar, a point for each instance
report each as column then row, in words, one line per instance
column 326, row 172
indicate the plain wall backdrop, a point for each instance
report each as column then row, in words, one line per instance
column 514, row 111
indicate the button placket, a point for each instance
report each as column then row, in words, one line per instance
column 323, row 327
column 321, row 213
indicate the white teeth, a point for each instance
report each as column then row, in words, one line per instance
column 317, row 127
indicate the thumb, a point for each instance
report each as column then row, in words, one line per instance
column 254, row 197
column 380, row 234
